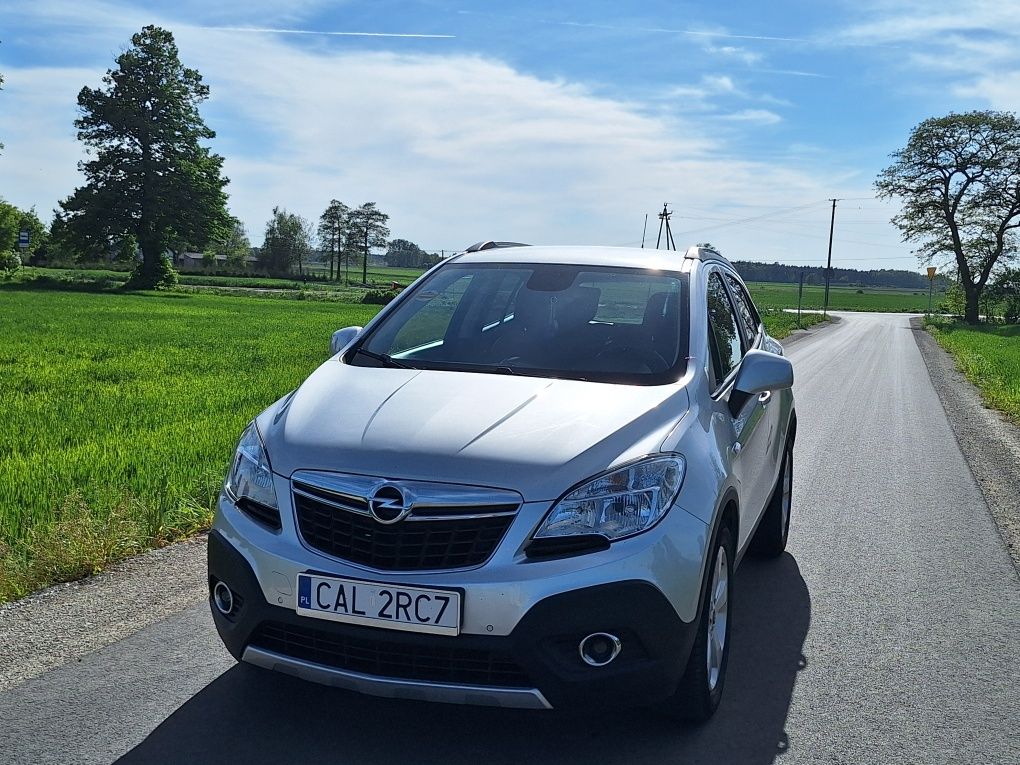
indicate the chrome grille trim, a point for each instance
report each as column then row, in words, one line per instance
column 350, row 493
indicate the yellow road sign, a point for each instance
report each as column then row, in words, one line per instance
column 931, row 272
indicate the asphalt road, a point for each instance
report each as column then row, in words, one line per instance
column 889, row 632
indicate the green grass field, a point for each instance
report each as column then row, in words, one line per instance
column 989, row 355
column 772, row 295
column 120, row 413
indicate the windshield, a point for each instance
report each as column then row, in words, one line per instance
column 593, row 323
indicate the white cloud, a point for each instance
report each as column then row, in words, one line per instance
column 734, row 52
column 455, row 147
column 974, row 44
column 756, row 116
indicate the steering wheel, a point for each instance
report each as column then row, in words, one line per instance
column 652, row 360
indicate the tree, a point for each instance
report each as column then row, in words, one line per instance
column 10, row 225
column 287, row 242
column 368, row 224
column 959, row 181
column 13, row 221
column 333, row 229
column 1005, row 292
column 232, row 245
column 149, row 176
column 400, row 253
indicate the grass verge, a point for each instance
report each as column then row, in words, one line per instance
column 780, row 323
column 989, row 356
column 121, row 411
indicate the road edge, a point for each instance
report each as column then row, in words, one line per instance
column 64, row 622
column 814, row 329
column 989, row 442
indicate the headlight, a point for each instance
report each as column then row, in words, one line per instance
column 618, row 504
column 250, row 476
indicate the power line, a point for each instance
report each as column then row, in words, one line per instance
column 751, row 219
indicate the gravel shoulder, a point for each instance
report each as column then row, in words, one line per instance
column 987, row 439
column 63, row 623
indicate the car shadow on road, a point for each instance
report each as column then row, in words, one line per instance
column 253, row 716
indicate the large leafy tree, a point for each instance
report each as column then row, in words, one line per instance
column 333, row 230
column 958, row 179
column 287, row 242
column 148, row 175
column 368, row 229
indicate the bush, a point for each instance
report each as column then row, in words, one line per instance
column 10, row 262
column 379, row 297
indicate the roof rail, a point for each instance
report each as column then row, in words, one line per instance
column 479, row 246
column 704, row 253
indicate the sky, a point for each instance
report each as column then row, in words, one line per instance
column 547, row 123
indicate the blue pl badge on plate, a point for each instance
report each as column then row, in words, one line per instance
column 304, row 592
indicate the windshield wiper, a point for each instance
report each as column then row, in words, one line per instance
column 383, row 359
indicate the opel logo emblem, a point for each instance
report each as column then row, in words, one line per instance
column 387, row 505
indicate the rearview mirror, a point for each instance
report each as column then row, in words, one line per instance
column 760, row 371
column 342, row 338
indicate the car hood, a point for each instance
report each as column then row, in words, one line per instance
column 537, row 436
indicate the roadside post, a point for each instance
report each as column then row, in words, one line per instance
column 931, row 285
column 800, row 297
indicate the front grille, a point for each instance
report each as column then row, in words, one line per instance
column 395, row 660
column 446, row 542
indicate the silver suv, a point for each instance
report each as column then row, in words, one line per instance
column 527, row 483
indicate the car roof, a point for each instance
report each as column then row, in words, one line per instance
column 628, row 257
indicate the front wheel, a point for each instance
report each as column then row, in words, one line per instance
column 770, row 538
column 700, row 689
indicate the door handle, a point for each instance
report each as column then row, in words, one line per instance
column 737, row 447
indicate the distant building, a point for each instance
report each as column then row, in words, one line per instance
column 198, row 260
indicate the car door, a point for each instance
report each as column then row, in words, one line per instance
column 751, row 322
column 747, row 430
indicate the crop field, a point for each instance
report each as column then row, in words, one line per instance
column 989, row 355
column 380, row 276
column 773, row 295
column 120, row 413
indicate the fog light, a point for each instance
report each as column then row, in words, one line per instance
column 599, row 648
column 223, row 598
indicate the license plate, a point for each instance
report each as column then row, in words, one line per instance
column 379, row 605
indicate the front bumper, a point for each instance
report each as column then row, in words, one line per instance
column 535, row 665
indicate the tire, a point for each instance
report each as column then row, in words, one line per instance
column 701, row 687
column 770, row 538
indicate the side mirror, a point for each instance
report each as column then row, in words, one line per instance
column 342, row 338
column 760, row 371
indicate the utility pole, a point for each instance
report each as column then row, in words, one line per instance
column 828, row 265
column 644, row 231
column 664, row 217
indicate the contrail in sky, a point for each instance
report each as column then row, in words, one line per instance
column 260, row 30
